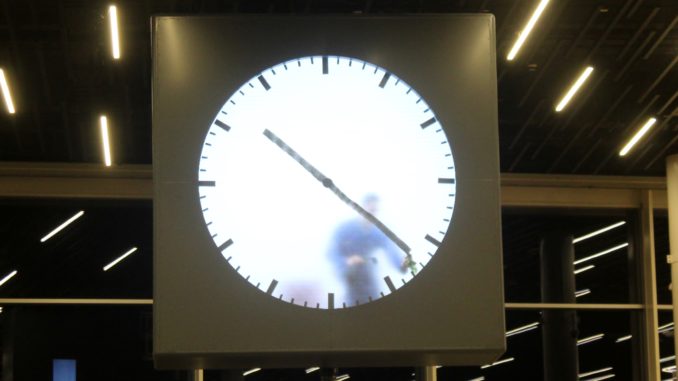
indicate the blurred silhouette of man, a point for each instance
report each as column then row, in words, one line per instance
column 353, row 249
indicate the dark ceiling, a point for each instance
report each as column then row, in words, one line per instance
column 56, row 55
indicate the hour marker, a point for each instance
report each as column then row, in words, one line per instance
column 384, row 79
column 241, row 93
column 325, row 68
column 272, row 286
column 273, row 71
column 212, row 133
column 264, row 82
column 206, row 183
column 206, row 209
column 428, row 123
column 215, row 234
column 330, row 301
column 251, row 85
column 390, row 284
column 201, row 197
column 418, row 100
column 445, row 181
column 223, row 125
column 432, row 240
column 209, row 223
column 225, row 245
column 203, row 157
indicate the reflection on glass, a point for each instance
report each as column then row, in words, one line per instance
column 353, row 253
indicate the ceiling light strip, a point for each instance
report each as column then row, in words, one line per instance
column 527, row 29
column 581, row 270
column 597, row 232
column 342, row 377
column 5, row 93
column 115, row 262
column 498, row 363
column 605, row 377
column 248, row 372
column 574, row 88
column 8, row 277
column 522, row 329
column 62, row 226
column 590, row 339
column 115, row 38
column 643, row 130
column 620, row 246
column 312, row 369
column 105, row 141
column 665, row 359
column 591, row 373
column 623, row 338
column 583, row 292
column 481, row 378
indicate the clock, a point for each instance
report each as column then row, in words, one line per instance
column 326, row 182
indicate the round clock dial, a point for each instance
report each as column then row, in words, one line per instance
column 327, row 182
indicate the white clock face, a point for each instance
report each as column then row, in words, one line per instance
column 327, row 182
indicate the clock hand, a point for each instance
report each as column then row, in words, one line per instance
column 328, row 183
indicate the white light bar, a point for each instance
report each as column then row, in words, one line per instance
column 481, row 378
column 591, row 373
column 312, row 369
column 0, row 310
column 581, row 270
column 8, row 277
column 342, row 377
column 527, row 29
column 590, row 339
column 105, row 142
column 6, row 94
column 62, row 226
column 669, row 369
column 601, row 231
column 605, row 377
column 643, row 130
column 522, row 329
column 574, row 88
column 578, row 261
column 120, row 258
column 248, row 372
column 669, row 358
column 665, row 328
column 624, row 338
column 115, row 39
column 498, row 362
column 583, row 292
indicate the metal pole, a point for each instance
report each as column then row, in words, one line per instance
column 427, row 373
column 559, row 332
column 650, row 338
column 672, row 193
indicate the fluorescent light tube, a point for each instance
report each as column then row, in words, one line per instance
column 105, row 142
column 623, row 245
column 581, row 270
column 62, row 226
column 481, row 378
column 643, row 130
column 253, row 370
column 623, row 338
column 498, row 363
column 522, row 329
column 590, row 339
column 120, row 258
column 6, row 94
column 591, row 373
column 115, row 38
column 8, row 277
column 583, row 292
column 669, row 358
column 574, row 88
column 342, row 377
column 527, row 29
column 601, row 378
column 312, row 369
column 597, row 232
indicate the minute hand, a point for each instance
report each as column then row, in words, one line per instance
column 328, row 183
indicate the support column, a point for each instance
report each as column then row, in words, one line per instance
column 559, row 332
column 650, row 337
column 427, row 373
column 672, row 193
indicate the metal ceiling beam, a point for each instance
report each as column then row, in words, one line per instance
column 134, row 182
